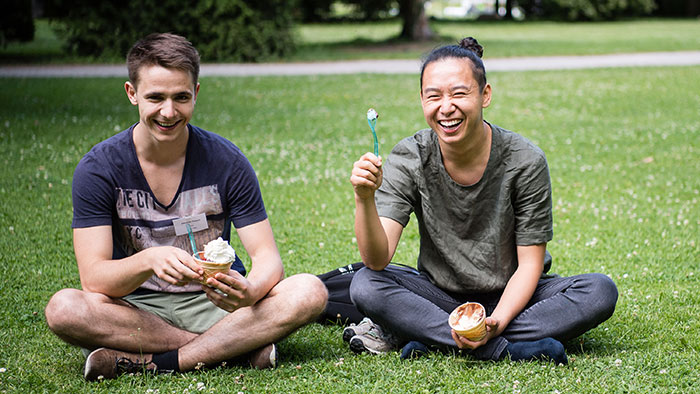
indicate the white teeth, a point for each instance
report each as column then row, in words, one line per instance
column 450, row 123
column 166, row 124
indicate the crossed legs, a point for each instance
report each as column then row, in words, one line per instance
column 414, row 309
column 93, row 320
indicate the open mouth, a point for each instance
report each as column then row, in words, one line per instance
column 450, row 124
column 166, row 125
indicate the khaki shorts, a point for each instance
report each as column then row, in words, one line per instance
column 189, row 311
column 192, row 312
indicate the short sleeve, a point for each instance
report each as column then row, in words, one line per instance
column 93, row 195
column 397, row 197
column 245, row 200
column 532, row 203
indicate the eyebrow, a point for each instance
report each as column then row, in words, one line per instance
column 158, row 93
column 452, row 89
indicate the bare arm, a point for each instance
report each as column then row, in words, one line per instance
column 266, row 271
column 99, row 273
column 377, row 237
column 516, row 295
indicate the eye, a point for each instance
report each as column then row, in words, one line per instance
column 183, row 97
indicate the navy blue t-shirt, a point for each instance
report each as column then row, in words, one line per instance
column 109, row 188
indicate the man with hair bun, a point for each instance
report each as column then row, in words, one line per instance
column 138, row 197
column 482, row 198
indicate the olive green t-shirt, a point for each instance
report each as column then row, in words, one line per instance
column 468, row 234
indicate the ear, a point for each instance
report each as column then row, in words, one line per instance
column 196, row 92
column 486, row 96
column 131, row 92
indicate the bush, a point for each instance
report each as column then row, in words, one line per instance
column 222, row 30
column 365, row 10
column 586, row 10
column 16, row 22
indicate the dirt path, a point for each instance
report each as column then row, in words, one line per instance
column 685, row 58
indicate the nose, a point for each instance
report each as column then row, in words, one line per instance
column 446, row 105
column 167, row 110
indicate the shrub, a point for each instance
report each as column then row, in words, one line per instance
column 586, row 10
column 16, row 22
column 230, row 30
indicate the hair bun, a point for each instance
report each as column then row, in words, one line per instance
column 472, row 44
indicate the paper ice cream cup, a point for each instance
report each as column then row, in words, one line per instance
column 469, row 321
column 211, row 267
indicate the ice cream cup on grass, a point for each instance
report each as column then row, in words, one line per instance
column 211, row 267
column 469, row 321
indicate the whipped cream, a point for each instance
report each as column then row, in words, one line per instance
column 219, row 251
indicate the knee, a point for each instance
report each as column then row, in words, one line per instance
column 63, row 309
column 311, row 295
column 363, row 289
column 604, row 294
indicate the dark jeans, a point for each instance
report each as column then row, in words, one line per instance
column 406, row 303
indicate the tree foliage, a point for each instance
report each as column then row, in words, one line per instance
column 231, row 30
column 586, row 10
column 16, row 22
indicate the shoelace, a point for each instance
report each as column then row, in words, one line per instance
column 125, row 365
column 376, row 332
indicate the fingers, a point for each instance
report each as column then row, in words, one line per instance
column 464, row 343
column 218, row 299
column 367, row 172
column 187, row 260
column 228, row 292
column 175, row 266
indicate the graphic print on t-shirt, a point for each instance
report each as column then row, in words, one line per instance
column 145, row 223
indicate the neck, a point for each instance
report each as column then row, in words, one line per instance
column 471, row 152
column 162, row 153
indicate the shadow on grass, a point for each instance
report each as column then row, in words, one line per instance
column 394, row 47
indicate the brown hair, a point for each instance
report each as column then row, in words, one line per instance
column 468, row 48
column 166, row 50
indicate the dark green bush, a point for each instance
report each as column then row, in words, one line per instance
column 16, row 22
column 223, row 30
column 365, row 10
column 586, row 10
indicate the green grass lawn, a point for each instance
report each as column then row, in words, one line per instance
column 376, row 40
column 624, row 157
column 500, row 39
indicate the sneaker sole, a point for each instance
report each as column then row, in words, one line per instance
column 273, row 356
column 258, row 361
column 357, row 346
column 348, row 333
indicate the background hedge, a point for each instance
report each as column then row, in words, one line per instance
column 222, row 30
column 586, row 10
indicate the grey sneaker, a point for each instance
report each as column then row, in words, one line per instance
column 359, row 329
column 264, row 357
column 104, row 363
column 375, row 341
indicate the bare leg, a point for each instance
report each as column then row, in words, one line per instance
column 92, row 320
column 292, row 303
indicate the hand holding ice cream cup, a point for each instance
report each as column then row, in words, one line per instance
column 469, row 321
column 217, row 256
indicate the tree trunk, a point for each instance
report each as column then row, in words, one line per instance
column 692, row 8
column 415, row 22
column 509, row 10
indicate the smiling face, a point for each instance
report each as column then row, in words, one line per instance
column 452, row 100
column 165, row 98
